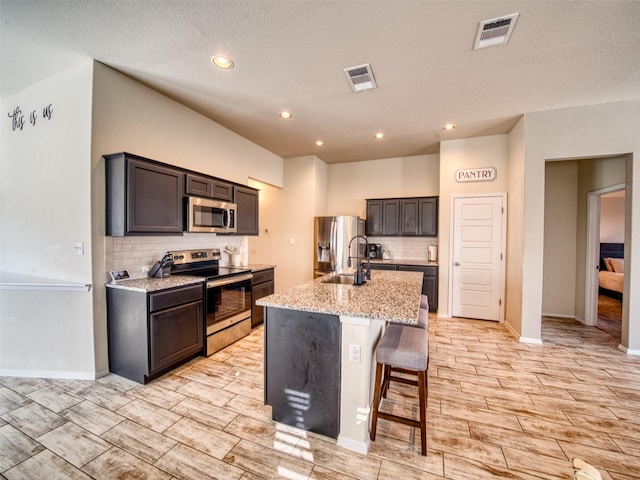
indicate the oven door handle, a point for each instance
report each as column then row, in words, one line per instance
column 227, row 281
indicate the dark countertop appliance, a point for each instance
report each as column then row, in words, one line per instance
column 227, row 296
column 375, row 250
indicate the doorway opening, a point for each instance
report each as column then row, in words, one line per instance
column 573, row 191
column 604, row 284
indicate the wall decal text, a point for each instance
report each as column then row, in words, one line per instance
column 18, row 121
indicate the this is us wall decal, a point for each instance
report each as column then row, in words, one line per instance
column 18, row 121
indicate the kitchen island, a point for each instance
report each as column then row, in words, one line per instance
column 320, row 340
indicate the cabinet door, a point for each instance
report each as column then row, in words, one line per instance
column 428, row 225
column 175, row 334
column 409, row 209
column 247, row 217
column 222, row 190
column 257, row 292
column 430, row 289
column 374, row 217
column 198, row 185
column 154, row 198
column 391, row 217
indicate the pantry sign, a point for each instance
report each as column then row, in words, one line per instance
column 487, row 174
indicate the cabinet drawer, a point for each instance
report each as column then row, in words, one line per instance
column 262, row 276
column 383, row 266
column 171, row 298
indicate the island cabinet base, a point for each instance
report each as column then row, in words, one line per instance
column 302, row 369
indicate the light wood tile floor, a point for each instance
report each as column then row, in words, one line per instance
column 496, row 409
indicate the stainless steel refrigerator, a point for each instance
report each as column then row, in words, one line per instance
column 331, row 243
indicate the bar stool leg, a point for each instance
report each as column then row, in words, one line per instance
column 386, row 380
column 422, row 389
column 376, row 401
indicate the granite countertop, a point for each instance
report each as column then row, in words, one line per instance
column 153, row 284
column 147, row 284
column 423, row 262
column 256, row 267
column 392, row 296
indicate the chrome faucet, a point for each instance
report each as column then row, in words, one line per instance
column 361, row 276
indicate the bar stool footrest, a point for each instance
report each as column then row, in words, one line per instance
column 395, row 418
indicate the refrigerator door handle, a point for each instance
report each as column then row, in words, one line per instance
column 334, row 244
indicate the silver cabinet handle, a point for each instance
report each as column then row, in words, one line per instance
column 457, row 264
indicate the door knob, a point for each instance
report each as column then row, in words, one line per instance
column 457, row 264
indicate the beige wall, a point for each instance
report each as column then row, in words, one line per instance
column 580, row 132
column 490, row 151
column 350, row 184
column 612, row 219
column 515, row 227
column 560, row 237
column 286, row 221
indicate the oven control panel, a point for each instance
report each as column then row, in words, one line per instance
column 195, row 256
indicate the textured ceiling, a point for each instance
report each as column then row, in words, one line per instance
column 291, row 55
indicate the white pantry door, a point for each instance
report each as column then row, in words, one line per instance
column 478, row 257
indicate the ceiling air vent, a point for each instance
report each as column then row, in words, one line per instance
column 360, row 78
column 495, row 31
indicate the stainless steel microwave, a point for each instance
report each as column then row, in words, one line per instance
column 211, row 216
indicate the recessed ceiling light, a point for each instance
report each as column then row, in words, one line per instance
column 284, row 114
column 449, row 126
column 222, row 62
column 379, row 135
column 319, row 143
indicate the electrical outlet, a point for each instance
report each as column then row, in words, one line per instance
column 78, row 248
column 354, row 353
column 292, row 241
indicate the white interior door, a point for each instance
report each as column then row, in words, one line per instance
column 478, row 257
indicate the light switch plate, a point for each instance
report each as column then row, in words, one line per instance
column 78, row 248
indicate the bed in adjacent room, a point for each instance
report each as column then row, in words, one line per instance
column 611, row 274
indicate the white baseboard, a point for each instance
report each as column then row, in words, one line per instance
column 354, row 445
column 559, row 315
column 534, row 341
column 628, row 351
column 53, row 374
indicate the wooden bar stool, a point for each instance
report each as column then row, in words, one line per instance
column 405, row 348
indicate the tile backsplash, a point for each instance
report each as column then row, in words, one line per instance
column 135, row 253
column 405, row 248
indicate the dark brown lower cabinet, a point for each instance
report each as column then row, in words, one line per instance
column 151, row 333
column 261, row 286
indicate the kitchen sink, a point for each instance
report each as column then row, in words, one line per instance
column 340, row 278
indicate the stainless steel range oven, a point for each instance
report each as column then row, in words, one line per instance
column 228, row 296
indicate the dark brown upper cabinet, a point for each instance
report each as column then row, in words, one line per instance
column 146, row 197
column 428, row 215
column 202, row 186
column 399, row 217
column 383, row 217
column 246, row 199
column 143, row 197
